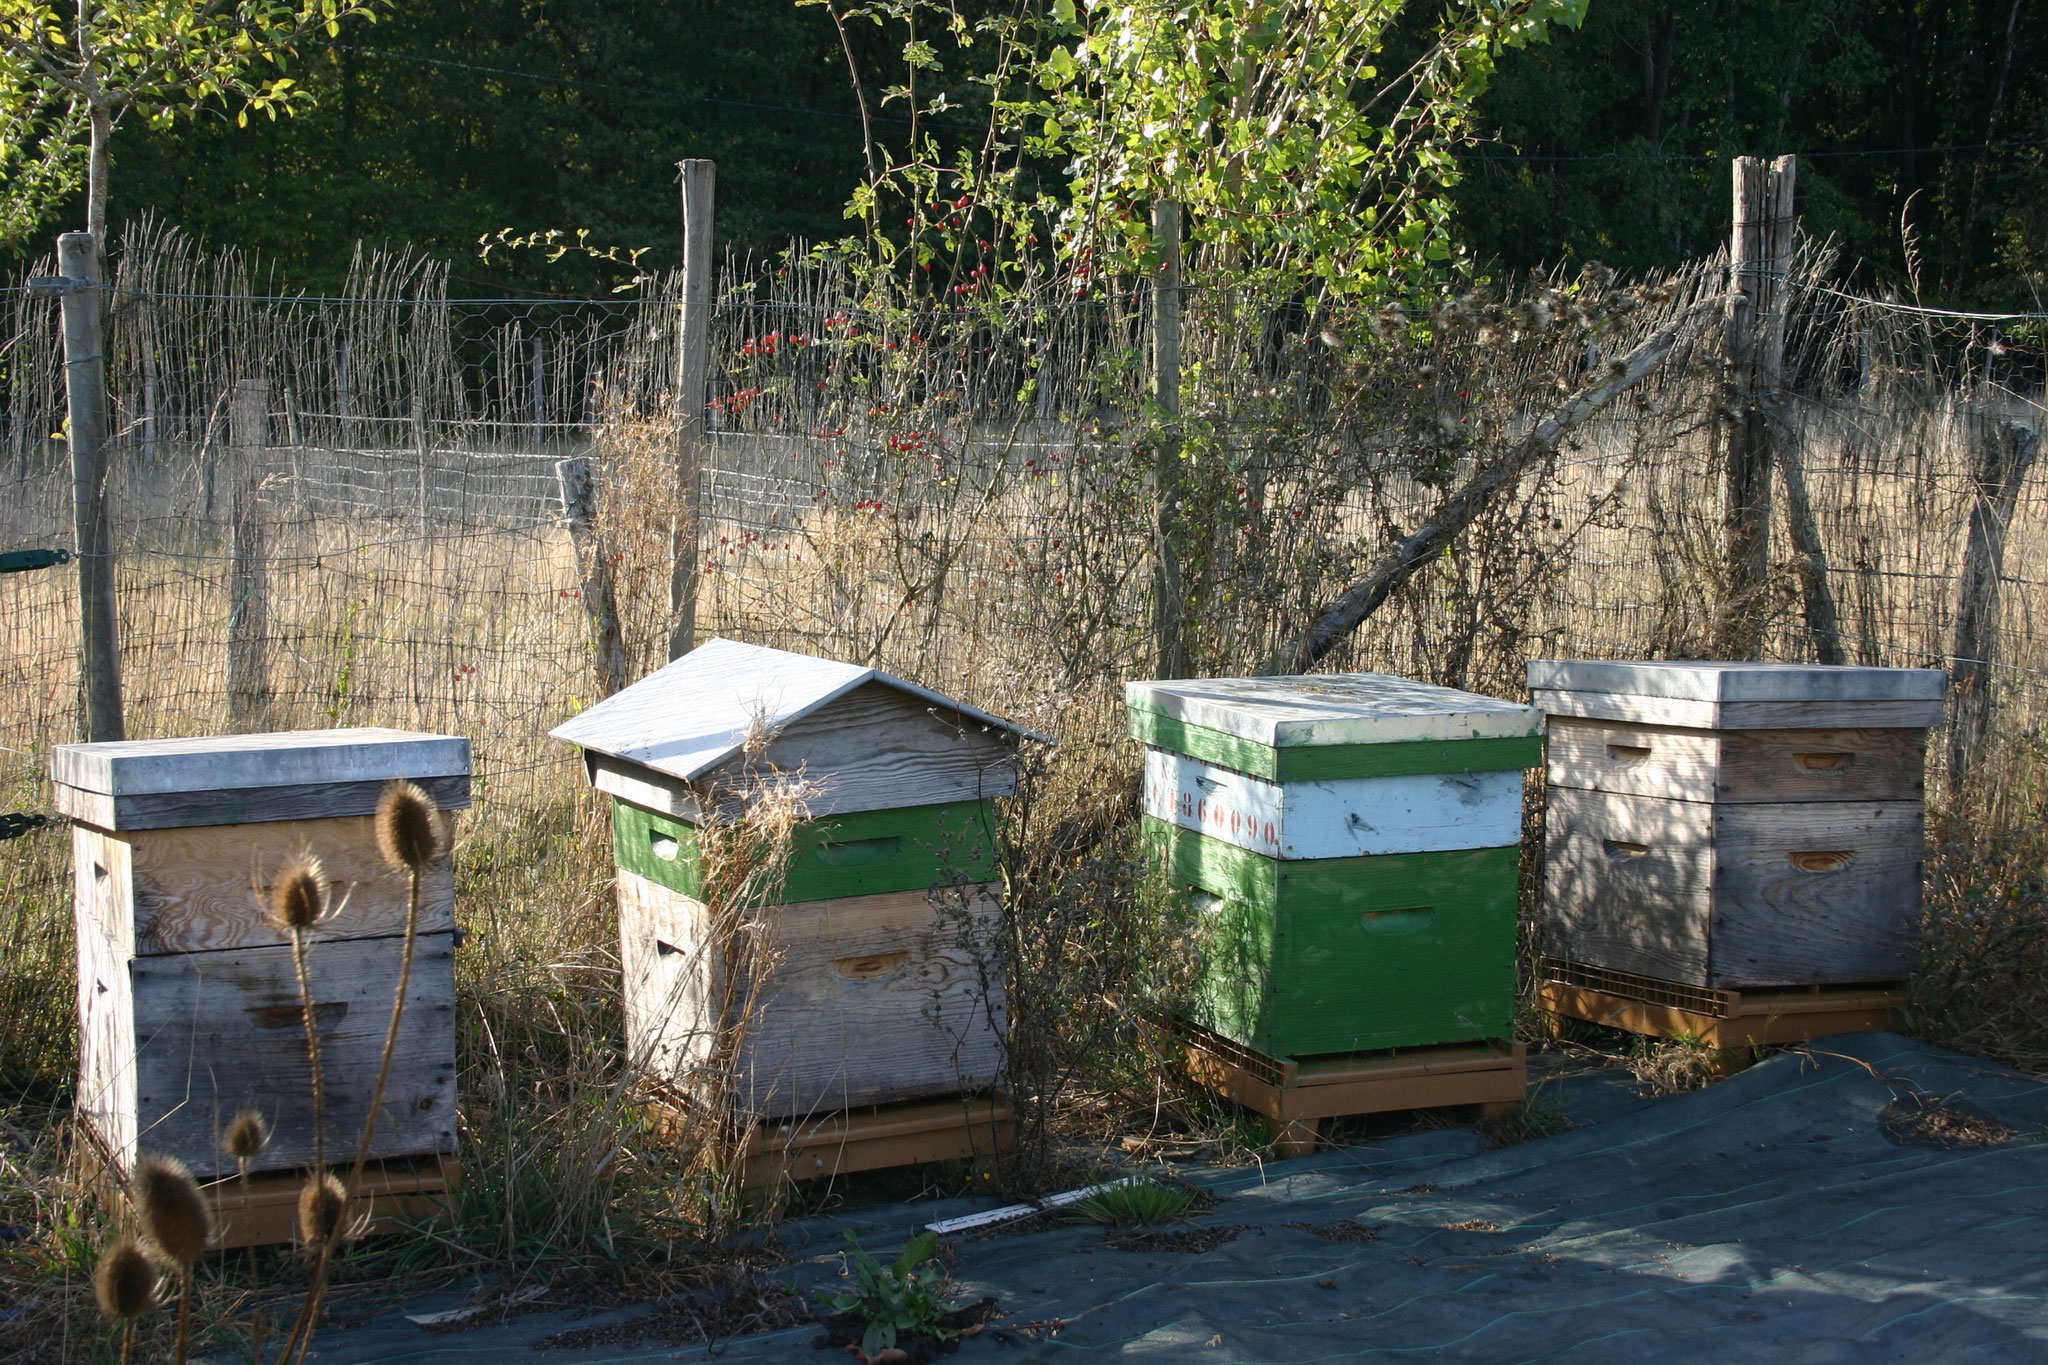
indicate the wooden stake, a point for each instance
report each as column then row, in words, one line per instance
column 693, row 369
column 2005, row 451
column 579, row 509
column 1167, row 614
column 1759, row 258
column 85, row 382
column 248, row 604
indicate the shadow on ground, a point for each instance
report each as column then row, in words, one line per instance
column 1872, row 1200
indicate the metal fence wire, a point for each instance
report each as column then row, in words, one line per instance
column 361, row 493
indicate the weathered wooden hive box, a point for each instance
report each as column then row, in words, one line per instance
column 1350, row 842
column 884, row 981
column 188, row 1001
column 1734, row 825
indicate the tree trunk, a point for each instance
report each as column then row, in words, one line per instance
column 102, row 119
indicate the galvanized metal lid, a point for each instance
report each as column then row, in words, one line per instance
column 287, row 758
column 1334, row 708
column 1707, row 680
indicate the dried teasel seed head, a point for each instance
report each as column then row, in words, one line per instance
column 173, row 1213
column 246, row 1135
column 322, row 1201
column 409, row 831
column 299, row 899
column 124, row 1281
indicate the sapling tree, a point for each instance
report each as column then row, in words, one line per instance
column 69, row 73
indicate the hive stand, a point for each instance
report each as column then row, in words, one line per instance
column 1297, row 1096
column 1731, row 1022
column 883, row 1008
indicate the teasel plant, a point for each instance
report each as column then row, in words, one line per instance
column 248, row 1134
column 298, row 901
column 412, row 837
column 176, row 1225
column 124, row 1282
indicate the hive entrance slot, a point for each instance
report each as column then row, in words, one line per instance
column 861, row 852
column 325, row 1015
column 1411, row 921
column 869, row 967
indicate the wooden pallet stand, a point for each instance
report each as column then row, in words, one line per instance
column 390, row 1197
column 882, row 1137
column 1726, row 1020
column 1297, row 1095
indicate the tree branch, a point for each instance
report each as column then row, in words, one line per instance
column 1401, row 561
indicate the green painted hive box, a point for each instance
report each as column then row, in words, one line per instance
column 862, row 853
column 1349, row 845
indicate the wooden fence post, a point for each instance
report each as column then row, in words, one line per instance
column 2005, row 451
column 85, row 382
column 578, row 484
column 1759, row 258
column 1167, row 606
column 693, row 369
column 248, row 601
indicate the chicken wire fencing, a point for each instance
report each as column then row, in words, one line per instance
column 351, row 510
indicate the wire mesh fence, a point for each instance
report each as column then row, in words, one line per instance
column 347, row 510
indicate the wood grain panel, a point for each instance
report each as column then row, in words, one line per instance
column 1816, row 894
column 106, row 1037
column 1628, row 882
column 878, row 747
column 220, row 1031
column 202, row 889
column 1737, row 765
column 871, row 999
column 244, row 805
column 1326, row 762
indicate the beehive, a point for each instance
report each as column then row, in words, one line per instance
column 188, row 999
column 1350, row 842
column 1735, row 825
column 884, row 985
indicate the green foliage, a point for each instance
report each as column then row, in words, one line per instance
column 895, row 1301
column 67, row 74
column 1137, row 1203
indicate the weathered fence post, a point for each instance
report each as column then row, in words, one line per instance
column 578, row 484
column 85, row 382
column 1167, row 614
column 423, row 451
column 1759, row 258
column 693, row 369
column 248, row 601
column 2005, row 451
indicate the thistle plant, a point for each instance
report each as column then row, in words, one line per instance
column 124, row 1282
column 176, row 1224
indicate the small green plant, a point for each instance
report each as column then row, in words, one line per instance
column 895, row 1301
column 1138, row 1203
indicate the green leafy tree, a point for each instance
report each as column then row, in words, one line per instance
column 70, row 73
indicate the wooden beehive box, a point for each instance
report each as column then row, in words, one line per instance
column 884, row 985
column 188, row 1001
column 1350, row 842
column 1733, row 825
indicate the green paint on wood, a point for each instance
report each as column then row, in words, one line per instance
column 1326, row 762
column 865, row 853
column 1349, row 954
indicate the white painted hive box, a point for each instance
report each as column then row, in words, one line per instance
column 1735, row 825
column 189, row 1006
column 1334, row 765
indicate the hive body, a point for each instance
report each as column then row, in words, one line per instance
column 1348, row 846
column 1735, row 825
column 876, row 977
column 189, row 1002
